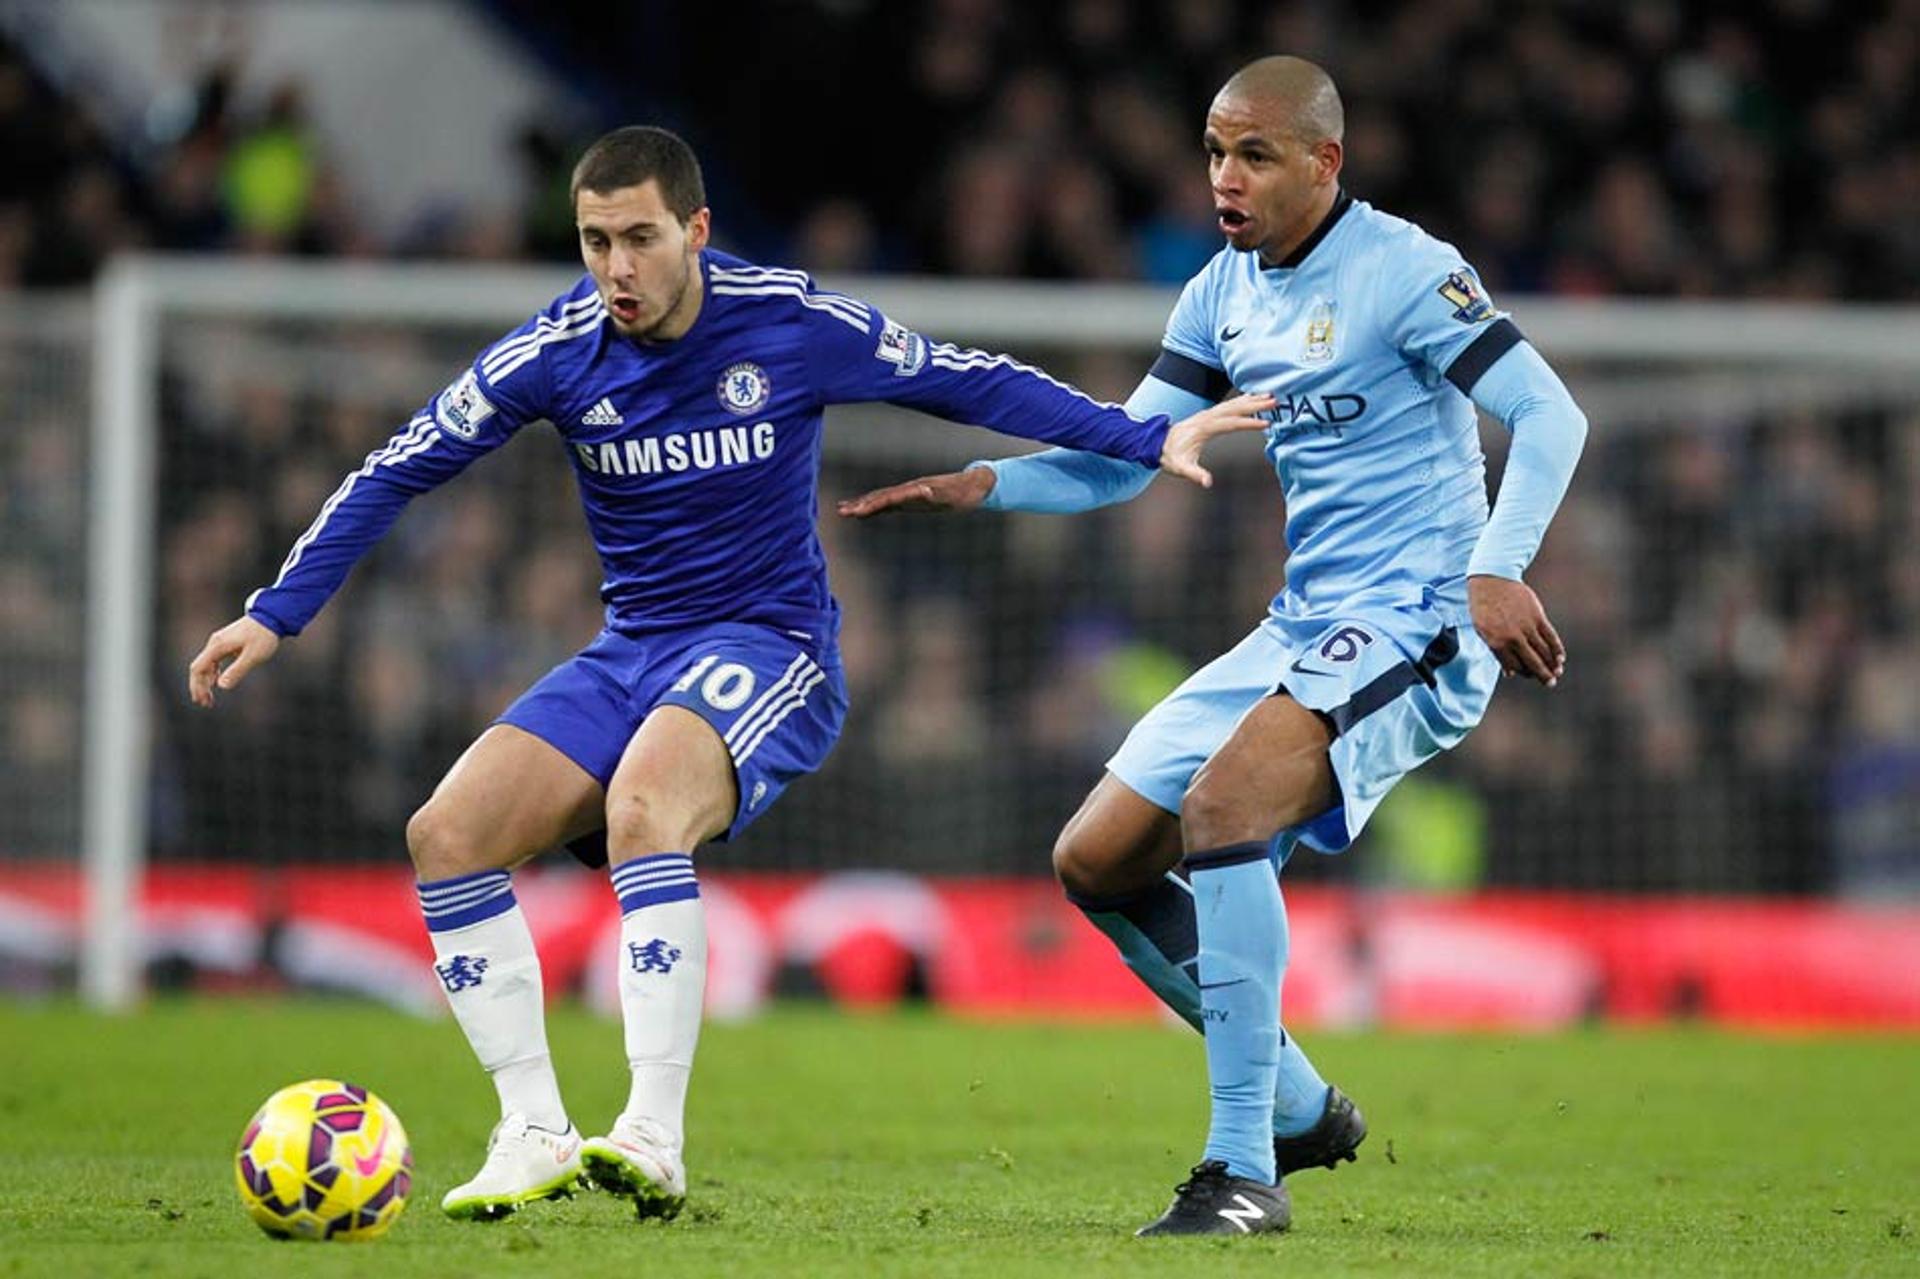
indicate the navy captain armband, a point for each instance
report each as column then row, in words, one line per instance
column 1191, row 375
column 1481, row 353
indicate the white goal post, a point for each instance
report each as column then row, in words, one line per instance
column 1669, row 361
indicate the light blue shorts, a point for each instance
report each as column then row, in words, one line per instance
column 1396, row 685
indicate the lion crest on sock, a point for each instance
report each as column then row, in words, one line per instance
column 656, row 956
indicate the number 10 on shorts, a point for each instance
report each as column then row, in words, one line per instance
column 727, row 685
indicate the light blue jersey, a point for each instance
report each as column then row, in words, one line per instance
column 1371, row 336
column 1376, row 450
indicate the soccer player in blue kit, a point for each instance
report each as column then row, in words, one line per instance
column 1403, row 600
column 687, row 387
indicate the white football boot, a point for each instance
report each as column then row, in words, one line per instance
column 639, row 1161
column 523, row 1164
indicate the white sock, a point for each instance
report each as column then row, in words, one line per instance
column 483, row 953
column 663, row 979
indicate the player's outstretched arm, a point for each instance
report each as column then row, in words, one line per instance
column 227, row 656
column 954, row 491
column 1189, row 436
column 1062, row 481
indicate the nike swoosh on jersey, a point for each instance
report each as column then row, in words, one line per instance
column 1228, row 335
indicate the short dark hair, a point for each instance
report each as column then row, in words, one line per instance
column 631, row 156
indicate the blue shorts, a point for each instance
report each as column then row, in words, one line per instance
column 1397, row 685
column 776, row 700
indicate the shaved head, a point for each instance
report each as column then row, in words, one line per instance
column 1274, row 151
column 1290, row 94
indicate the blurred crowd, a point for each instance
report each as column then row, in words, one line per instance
column 1646, row 148
column 1739, row 595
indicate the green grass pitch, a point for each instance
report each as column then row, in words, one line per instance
column 922, row 1145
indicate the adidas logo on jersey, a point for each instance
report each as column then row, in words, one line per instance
column 603, row 414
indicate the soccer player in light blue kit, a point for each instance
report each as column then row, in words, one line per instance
column 687, row 387
column 1403, row 600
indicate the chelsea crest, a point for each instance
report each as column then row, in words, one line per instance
column 744, row 388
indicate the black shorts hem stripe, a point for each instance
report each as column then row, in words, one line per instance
column 1390, row 683
column 1191, row 375
column 1481, row 353
column 1252, row 850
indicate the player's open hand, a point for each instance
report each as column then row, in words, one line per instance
column 1181, row 455
column 955, row 491
column 227, row 656
column 1510, row 619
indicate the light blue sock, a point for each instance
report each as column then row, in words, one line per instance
column 1242, row 926
column 1300, row 1097
column 1155, row 933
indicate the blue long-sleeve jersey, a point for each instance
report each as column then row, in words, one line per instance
column 698, row 459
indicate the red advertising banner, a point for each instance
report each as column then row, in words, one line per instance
column 1013, row 947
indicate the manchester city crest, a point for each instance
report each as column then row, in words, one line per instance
column 744, row 388
column 1318, row 348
